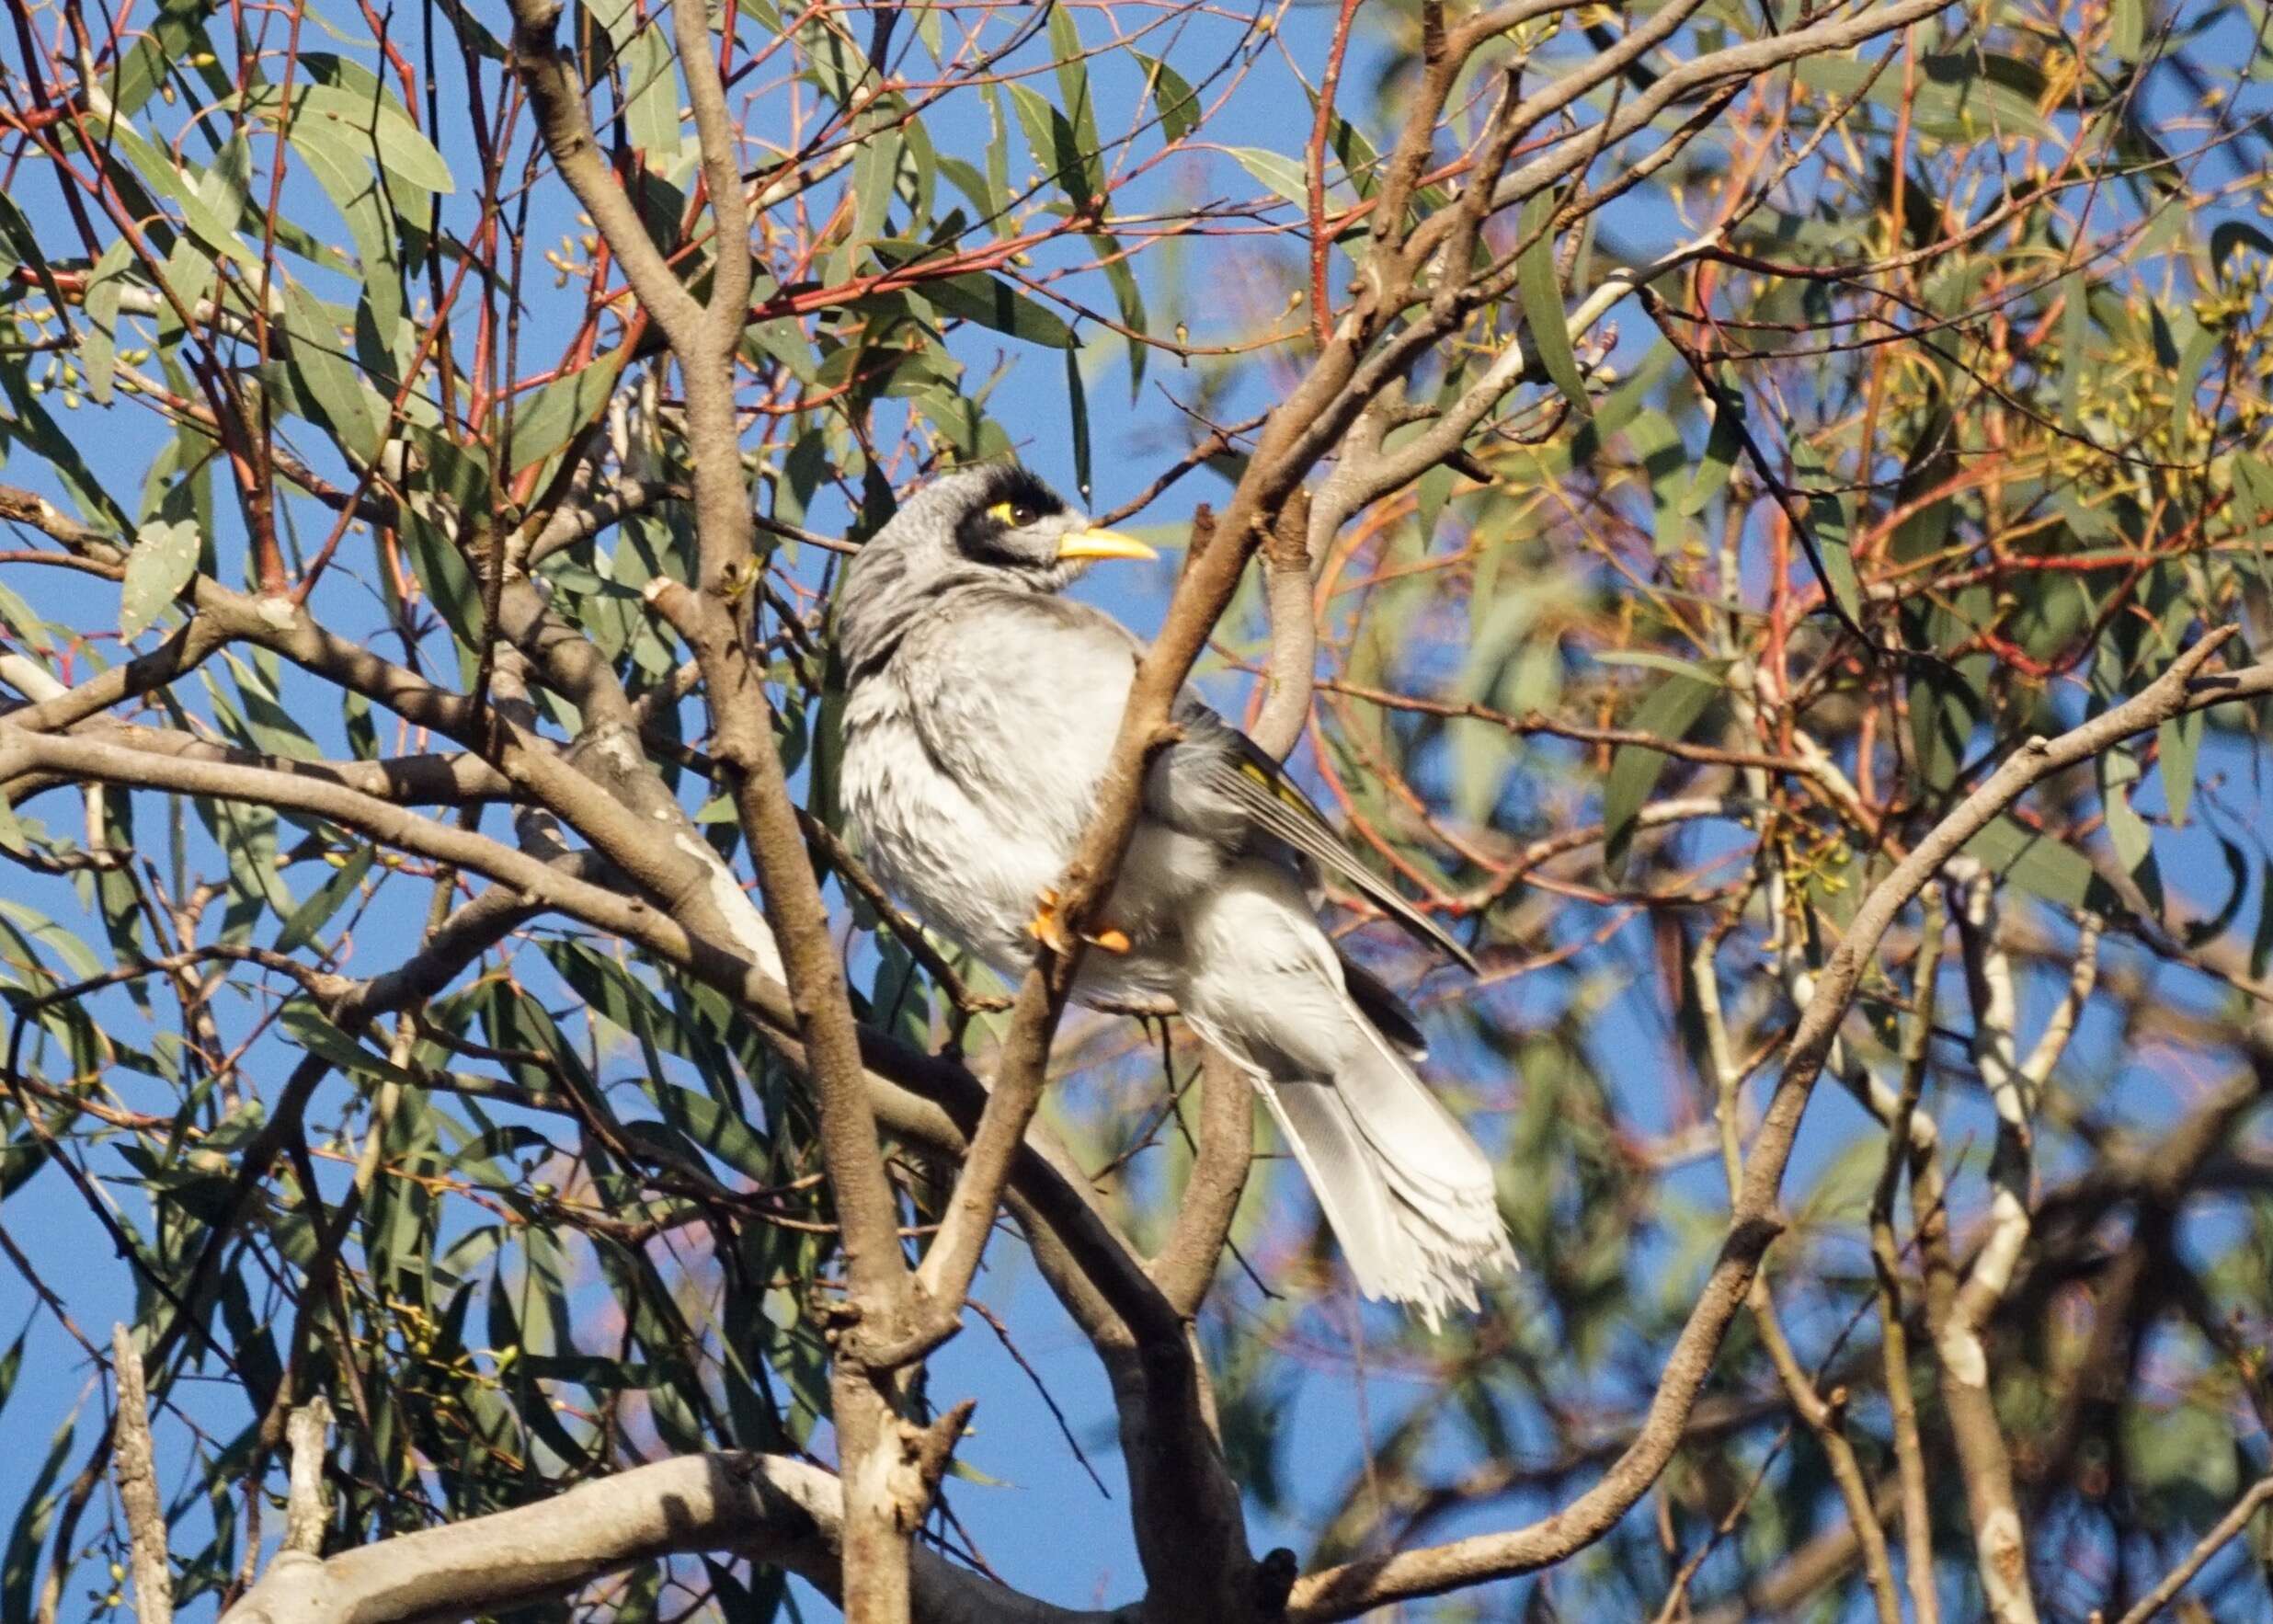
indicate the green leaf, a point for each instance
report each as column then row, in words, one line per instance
column 2127, row 831
column 2074, row 333
column 270, row 724
column 18, row 619
column 1827, row 521
column 650, row 87
column 2042, row 864
column 20, row 1565
column 311, row 916
column 1722, row 446
column 1670, row 710
column 721, row 1132
column 2186, row 382
column 11, row 1365
column 2261, row 945
column 971, row 181
column 998, row 149
column 548, row 418
column 310, row 1028
column 875, row 180
column 2229, row 235
column 1073, row 83
column 448, row 582
column 2177, row 744
column 1672, row 665
column 330, row 381
column 756, row 1603
column 1076, row 413
column 98, row 345
column 374, row 119
column 177, row 33
column 158, row 566
column 210, row 217
column 1958, row 96
column 977, row 296
column 2126, row 32
column 1121, row 278
column 1055, row 148
column 1544, row 317
column 23, row 246
column 1281, row 174
column 1178, row 104
column 353, row 188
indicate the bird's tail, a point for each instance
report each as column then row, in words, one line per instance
column 1409, row 1194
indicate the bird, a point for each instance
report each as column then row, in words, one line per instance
column 980, row 708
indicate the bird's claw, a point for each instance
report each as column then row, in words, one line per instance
column 1048, row 927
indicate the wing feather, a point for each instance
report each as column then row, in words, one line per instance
column 1259, row 787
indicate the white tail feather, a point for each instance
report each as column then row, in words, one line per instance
column 1408, row 1192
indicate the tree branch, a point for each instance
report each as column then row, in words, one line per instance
column 767, row 1508
column 133, row 1464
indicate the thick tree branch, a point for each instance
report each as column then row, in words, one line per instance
column 766, row 1508
column 134, row 1466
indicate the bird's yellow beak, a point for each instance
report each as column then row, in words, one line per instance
column 1102, row 544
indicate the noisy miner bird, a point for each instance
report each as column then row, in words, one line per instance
column 980, row 712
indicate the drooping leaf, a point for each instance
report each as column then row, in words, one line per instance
column 323, row 366
column 99, row 348
column 1670, row 710
column 354, row 190
column 19, row 1563
column 2178, row 746
column 1828, row 522
column 1077, row 422
column 1722, row 446
column 160, row 563
column 1544, row 318
column 1073, row 85
column 2127, row 831
column 1056, row 148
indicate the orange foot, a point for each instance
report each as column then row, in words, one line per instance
column 1050, row 929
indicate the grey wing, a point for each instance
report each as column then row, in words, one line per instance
column 1216, row 782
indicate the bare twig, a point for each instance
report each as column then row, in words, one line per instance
column 2168, row 1588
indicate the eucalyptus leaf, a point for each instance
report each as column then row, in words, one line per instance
column 1544, row 318
column 159, row 564
column 1668, row 712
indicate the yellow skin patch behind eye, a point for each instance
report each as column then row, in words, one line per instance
column 1000, row 511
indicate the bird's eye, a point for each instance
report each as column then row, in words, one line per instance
column 1022, row 515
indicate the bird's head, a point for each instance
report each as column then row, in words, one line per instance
column 995, row 523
